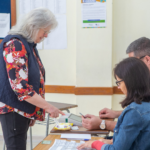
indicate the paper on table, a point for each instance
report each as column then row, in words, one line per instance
column 4, row 24
column 74, row 128
column 76, row 136
column 65, row 145
column 57, row 39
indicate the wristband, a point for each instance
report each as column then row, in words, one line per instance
column 97, row 145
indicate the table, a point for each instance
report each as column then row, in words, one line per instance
column 60, row 106
column 83, row 130
column 52, row 138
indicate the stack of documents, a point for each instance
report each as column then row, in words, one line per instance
column 65, row 145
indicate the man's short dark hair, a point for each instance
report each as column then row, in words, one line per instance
column 136, row 77
column 139, row 47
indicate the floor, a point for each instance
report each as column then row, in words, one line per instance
column 35, row 140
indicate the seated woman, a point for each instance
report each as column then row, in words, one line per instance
column 132, row 131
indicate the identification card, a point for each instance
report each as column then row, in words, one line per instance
column 46, row 142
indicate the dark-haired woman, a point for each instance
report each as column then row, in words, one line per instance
column 132, row 131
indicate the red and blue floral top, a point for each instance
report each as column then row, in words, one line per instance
column 16, row 58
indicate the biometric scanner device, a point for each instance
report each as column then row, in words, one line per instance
column 71, row 118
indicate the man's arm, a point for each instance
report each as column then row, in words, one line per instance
column 108, row 113
column 110, row 125
column 92, row 122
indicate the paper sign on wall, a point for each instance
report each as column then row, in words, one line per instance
column 93, row 13
column 4, row 24
column 57, row 39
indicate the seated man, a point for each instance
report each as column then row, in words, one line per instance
column 139, row 48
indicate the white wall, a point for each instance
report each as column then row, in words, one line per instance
column 93, row 62
column 130, row 22
column 60, row 65
column 94, row 52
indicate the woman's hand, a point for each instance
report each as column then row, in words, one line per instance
column 53, row 111
column 32, row 122
column 91, row 122
column 42, row 103
column 86, row 144
column 108, row 113
column 106, row 141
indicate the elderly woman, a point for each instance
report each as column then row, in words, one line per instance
column 132, row 131
column 22, row 78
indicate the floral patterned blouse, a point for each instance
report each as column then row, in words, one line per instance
column 16, row 58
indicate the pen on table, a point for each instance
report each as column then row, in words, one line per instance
column 78, row 139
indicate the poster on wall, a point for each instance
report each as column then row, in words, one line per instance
column 57, row 39
column 4, row 24
column 93, row 13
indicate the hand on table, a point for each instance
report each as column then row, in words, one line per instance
column 107, row 113
column 86, row 144
column 91, row 122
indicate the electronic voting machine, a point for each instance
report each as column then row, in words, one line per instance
column 71, row 118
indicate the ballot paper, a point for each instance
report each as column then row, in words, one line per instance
column 74, row 128
column 4, row 24
column 65, row 145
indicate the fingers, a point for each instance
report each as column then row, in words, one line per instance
column 32, row 122
column 103, row 116
column 102, row 140
column 61, row 112
column 103, row 111
column 106, row 141
column 88, row 116
column 86, row 144
column 86, row 123
column 81, row 146
column 54, row 115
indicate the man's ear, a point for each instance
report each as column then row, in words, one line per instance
column 147, row 58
